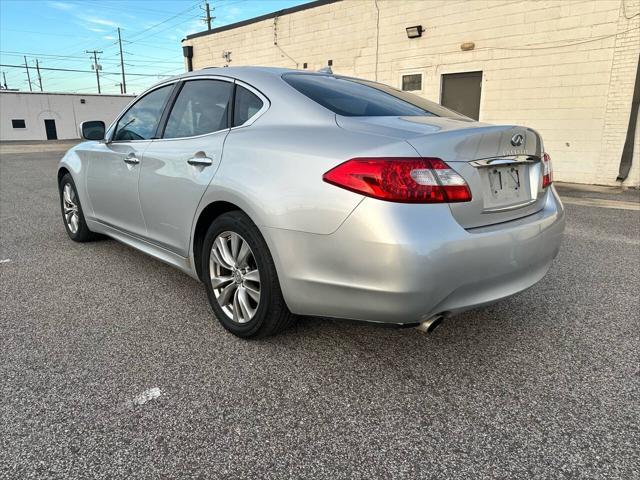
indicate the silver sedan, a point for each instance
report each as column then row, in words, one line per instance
column 293, row 193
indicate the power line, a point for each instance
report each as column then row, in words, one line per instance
column 166, row 20
column 38, row 54
column 119, row 9
column 85, row 71
column 82, row 89
column 165, row 29
column 40, row 33
column 145, row 44
column 76, row 59
column 139, row 36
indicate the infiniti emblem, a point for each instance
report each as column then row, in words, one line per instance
column 237, row 276
column 517, row 140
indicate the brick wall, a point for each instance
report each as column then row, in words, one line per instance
column 563, row 67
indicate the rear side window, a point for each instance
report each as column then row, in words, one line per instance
column 141, row 120
column 360, row 98
column 246, row 106
column 201, row 107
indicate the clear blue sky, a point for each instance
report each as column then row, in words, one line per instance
column 57, row 33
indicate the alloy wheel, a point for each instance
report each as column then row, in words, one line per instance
column 235, row 278
column 70, row 206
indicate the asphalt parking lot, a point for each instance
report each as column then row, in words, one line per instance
column 542, row 385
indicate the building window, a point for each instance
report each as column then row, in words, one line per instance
column 412, row 82
column 18, row 124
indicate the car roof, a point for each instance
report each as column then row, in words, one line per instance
column 241, row 73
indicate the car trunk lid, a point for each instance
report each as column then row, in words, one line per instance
column 500, row 163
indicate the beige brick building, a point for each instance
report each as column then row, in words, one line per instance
column 564, row 67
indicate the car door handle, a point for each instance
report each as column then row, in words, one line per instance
column 131, row 159
column 200, row 160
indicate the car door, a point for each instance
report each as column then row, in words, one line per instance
column 179, row 166
column 114, row 166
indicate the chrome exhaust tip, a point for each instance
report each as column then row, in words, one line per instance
column 428, row 326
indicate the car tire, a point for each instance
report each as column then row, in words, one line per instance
column 72, row 214
column 235, row 278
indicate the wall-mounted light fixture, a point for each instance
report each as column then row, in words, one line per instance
column 226, row 54
column 415, row 32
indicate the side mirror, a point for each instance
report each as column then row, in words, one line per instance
column 92, row 130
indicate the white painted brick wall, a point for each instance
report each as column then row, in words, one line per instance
column 564, row 67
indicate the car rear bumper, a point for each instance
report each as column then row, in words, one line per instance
column 404, row 263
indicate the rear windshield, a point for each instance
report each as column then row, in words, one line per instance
column 353, row 97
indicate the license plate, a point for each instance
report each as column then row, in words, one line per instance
column 506, row 185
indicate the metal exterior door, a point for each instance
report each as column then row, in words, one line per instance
column 461, row 93
column 50, row 127
column 179, row 166
column 112, row 184
column 174, row 176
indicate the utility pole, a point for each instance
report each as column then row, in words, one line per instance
column 39, row 77
column 28, row 76
column 123, row 87
column 95, row 65
column 4, row 77
column 208, row 18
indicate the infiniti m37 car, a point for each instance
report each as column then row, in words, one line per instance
column 293, row 193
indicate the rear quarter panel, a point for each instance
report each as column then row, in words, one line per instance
column 274, row 173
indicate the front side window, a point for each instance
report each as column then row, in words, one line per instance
column 141, row 120
column 352, row 97
column 201, row 107
column 246, row 106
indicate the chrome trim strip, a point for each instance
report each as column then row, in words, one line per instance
column 225, row 130
column 266, row 104
column 491, row 162
column 510, row 207
column 232, row 80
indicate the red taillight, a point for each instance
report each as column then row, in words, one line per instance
column 402, row 179
column 547, row 171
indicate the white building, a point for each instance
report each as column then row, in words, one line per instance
column 52, row 116
column 567, row 68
